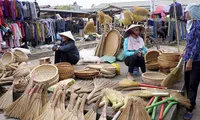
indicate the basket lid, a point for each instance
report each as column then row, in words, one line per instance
column 154, row 75
column 152, row 55
column 7, row 58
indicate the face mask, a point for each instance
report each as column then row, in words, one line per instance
column 189, row 25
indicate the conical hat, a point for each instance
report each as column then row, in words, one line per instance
column 135, row 25
column 67, row 34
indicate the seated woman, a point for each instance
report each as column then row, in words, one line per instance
column 134, row 49
column 66, row 51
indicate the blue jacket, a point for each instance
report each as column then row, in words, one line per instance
column 69, row 52
column 193, row 43
column 132, row 52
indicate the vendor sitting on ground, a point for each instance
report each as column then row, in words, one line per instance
column 134, row 49
column 66, row 51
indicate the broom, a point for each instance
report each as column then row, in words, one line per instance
column 174, row 96
column 103, row 114
column 7, row 99
column 18, row 107
column 92, row 113
column 101, row 17
column 128, row 15
column 141, row 11
column 74, row 113
column 99, row 84
column 126, row 111
column 139, row 112
column 146, row 93
column 49, row 113
column 58, row 112
column 70, row 106
column 36, row 106
column 81, row 109
column 173, row 76
column 126, row 22
column 89, row 28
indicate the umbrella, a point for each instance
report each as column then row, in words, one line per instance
column 162, row 8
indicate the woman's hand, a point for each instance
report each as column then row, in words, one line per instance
column 189, row 65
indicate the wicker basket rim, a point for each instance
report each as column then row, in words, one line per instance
column 155, row 73
column 46, row 65
column 159, row 58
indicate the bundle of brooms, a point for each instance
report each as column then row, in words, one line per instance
column 89, row 28
column 7, row 99
column 21, row 105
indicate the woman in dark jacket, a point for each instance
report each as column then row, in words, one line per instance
column 66, row 51
column 192, row 56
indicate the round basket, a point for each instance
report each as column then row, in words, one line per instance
column 152, row 64
column 7, row 58
column 87, row 73
column 152, row 55
column 109, row 76
column 65, row 70
column 153, row 78
column 20, row 56
column 170, row 56
column 165, row 63
column 110, row 68
column 107, row 72
column 45, row 73
column 97, row 67
column 56, row 80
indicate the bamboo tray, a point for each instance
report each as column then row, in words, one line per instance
column 153, row 78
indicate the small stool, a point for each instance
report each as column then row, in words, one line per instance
column 45, row 60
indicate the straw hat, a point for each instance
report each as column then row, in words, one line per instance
column 134, row 26
column 67, row 34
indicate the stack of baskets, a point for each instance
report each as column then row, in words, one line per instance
column 153, row 78
column 46, row 73
column 151, row 59
column 87, row 73
column 20, row 56
column 65, row 70
column 168, row 60
column 108, row 71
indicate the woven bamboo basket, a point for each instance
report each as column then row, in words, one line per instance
column 153, row 78
column 110, row 68
column 151, row 55
column 87, row 73
column 21, row 72
column 152, row 64
column 97, row 67
column 7, row 58
column 170, row 56
column 56, row 80
column 165, row 63
column 65, row 70
column 20, row 56
column 45, row 73
column 109, row 76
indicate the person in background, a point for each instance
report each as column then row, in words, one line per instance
column 66, row 51
column 134, row 49
column 192, row 56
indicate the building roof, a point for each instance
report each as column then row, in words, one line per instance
column 65, row 11
column 145, row 4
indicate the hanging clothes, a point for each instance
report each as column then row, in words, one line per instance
column 179, row 10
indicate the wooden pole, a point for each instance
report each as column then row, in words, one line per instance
column 176, row 22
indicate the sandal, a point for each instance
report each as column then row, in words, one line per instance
column 187, row 116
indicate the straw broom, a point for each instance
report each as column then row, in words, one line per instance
column 36, row 106
column 139, row 112
column 125, row 113
column 49, row 113
column 141, row 11
column 174, row 96
column 89, row 28
column 7, row 99
column 92, row 113
column 58, row 111
column 74, row 113
column 101, row 17
column 99, row 84
column 81, row 109
column 18, row 107
column 70, row 106
column 103, row 114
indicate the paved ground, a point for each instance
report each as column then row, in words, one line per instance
column 123, row 75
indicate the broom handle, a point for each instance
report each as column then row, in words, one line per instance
column 151, row 100
column 159, row 103
column 152, row 86
column 154, row 101
column 154, row 113
column 117, row 115
column 161, row 111
column 168, row 108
